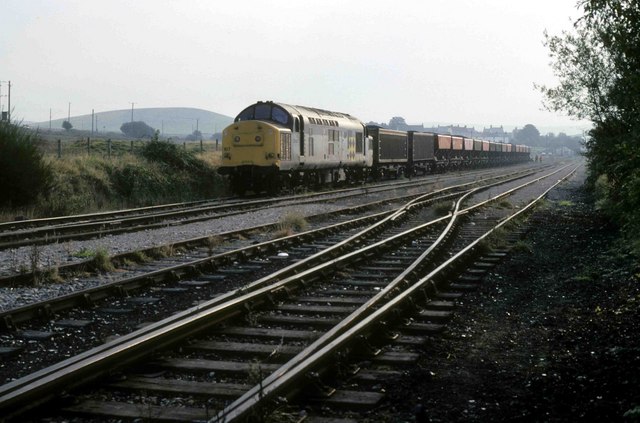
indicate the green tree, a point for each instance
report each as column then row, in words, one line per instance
column 196, row 135
column 597, row 66
column 528, row 135
column 398, row 123
column 137, row 129
column 67, row 125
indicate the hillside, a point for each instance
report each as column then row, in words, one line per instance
column 171, row 121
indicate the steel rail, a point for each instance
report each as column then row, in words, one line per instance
column 357, row 324
column 116, row 222
column 37, row 388
column 17, row 224
column 10, row 318
column 87, row 264
column 30, row 391
column 130, row 217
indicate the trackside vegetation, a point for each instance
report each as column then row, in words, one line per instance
column 24, row 174
column 597, row 67
column 34, row 185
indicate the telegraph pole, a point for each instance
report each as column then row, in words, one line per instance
column 9, row 104
column 132, row 111
column 9, row 101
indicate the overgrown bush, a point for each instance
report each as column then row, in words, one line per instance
column 79, row 184
column 24, row 174
column 193, row 174
column 171, row 155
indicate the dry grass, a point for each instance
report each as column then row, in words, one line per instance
column 212, row 158
column 212, row 242
column 290, row 224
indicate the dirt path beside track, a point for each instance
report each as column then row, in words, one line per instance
column 551, row 335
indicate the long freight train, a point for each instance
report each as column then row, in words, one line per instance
column 273, row 145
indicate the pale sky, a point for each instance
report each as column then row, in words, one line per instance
column 434, row 61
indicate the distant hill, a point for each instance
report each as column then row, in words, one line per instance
column 171, row 121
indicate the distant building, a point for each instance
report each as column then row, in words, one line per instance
column 495, row 134
column 462, row 131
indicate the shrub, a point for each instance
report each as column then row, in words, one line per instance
column 102, row 261
column 79, row 185
column 171, row 155
column 294, row 221
column 24, row 174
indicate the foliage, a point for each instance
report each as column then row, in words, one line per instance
column 290, row 224
column 81, row 184
column 196, row 135
column 67, row 125
column 137, row 129
column 397, row 122
column 173, row 156
column 78, row 185
column 598, row 71
column 528, row 135
column 102, row 261
column 24, row 174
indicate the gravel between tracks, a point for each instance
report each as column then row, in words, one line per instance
column 551, row 335
column 56, row 254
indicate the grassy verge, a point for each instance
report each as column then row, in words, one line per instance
column 159, row 173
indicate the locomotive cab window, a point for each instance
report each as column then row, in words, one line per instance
column 246, row 114
column 263, row 112
column 266, row 111
column 280, row 116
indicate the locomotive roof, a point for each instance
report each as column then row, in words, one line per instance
column 314, row 112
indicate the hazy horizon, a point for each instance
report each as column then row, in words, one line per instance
column 464, row 62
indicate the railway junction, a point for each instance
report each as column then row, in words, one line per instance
column 409, row 312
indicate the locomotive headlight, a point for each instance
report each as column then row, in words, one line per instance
column 236, row 138
column 258, row 138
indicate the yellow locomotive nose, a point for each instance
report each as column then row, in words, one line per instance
column 250, row 155
column 250, row 143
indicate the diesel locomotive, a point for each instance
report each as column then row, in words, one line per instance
column 271, row 146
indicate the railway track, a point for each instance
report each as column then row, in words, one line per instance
column 66, row 228
column 205, row 243
column 343, row 290
column 185, row 282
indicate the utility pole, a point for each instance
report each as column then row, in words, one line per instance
column 49, row 119
column 8, row 115
column 132, row 111
column 69, row 113
column 92, row 120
